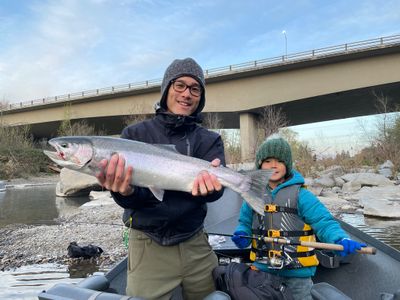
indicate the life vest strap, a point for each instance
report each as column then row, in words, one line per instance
column 273, row 253
column 302, row 254
column 273, row 208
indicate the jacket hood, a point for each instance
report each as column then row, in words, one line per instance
column 294, row 178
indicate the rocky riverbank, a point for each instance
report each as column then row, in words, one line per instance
column 97, row 222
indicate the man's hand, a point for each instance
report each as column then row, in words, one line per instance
column 112, row 175
column 206, row 183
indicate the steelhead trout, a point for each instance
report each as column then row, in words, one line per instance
column 157, row 167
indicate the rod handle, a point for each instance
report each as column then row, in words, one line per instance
column 318, row 245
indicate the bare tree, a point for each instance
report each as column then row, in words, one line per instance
column 212, row 121
column 231, row 139
column 270, row 121
column 387, row 138
column 136, row 115
column 69, row 127
column 3, row 105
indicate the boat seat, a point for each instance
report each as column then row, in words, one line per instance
column 325, row 291
column 95, row 282
column 65, row 291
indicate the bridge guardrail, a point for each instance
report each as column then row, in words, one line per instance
column 219, row 71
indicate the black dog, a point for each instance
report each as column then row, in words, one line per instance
column 88, row 251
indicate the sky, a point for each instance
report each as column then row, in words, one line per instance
column 56, row 47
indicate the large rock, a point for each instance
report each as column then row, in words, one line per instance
column 336, row 205
column 367, row 179
column 339, row 182
column 386, row 169
column 380, row 201
column 99, row 199
column 325, row 181
column 351, row 187
column 309, row 183
column 316, row 190
column 73, row 183
column 334, row 171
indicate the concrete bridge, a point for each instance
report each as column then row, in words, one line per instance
column 322, row 84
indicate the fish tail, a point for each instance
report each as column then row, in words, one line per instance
column 257, row 182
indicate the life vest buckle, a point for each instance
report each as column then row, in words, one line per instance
column 270, row 208
column 273, row 233
column 274, row 253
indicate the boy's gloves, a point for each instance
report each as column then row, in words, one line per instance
column 349, row 246
column 240, row 242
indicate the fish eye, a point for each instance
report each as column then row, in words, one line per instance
column 64, row 145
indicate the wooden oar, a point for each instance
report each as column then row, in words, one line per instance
column 316, row 245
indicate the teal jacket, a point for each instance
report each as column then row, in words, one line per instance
column 311, row 211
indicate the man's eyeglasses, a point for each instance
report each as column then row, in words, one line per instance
column 180, row 87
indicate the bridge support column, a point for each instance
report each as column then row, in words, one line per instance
column 248, row 136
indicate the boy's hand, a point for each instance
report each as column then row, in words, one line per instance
column 349, row 246
column 240, row 242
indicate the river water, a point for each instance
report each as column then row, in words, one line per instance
column 38, row 205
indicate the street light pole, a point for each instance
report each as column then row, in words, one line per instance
column 284, row 33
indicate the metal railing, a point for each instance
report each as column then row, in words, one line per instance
column 215, row 72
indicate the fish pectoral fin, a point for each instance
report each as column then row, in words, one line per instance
column 159, row 194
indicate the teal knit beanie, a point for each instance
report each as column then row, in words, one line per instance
column 277, row 148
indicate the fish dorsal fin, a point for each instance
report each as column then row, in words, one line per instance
column 168, row 147
column 158, row 193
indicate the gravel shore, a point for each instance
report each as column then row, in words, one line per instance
column 98, row 223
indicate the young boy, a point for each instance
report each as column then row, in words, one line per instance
column 291, row 212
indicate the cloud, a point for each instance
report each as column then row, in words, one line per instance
column 57, row 47
column 35, row 64
column 76, row 45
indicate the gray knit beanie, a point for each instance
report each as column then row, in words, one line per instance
column 179, row 68
column 277, row 148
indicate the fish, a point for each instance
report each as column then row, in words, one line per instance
column 157, row 167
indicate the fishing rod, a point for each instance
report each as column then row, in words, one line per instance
column 316, row 245
column 97, row 223
column 81, row 223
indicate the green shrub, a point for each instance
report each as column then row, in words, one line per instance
column 22, row 162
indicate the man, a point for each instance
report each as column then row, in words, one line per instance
column 167, row 243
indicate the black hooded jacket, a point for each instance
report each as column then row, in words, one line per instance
column 180, row 215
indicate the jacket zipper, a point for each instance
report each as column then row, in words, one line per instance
column 187, row 146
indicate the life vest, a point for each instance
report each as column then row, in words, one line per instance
column 281, row 220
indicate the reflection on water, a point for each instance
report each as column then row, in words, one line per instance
column 28, row 281
column 385, row 230
column 34, row 205
column 82, row 269
column 27, row 206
